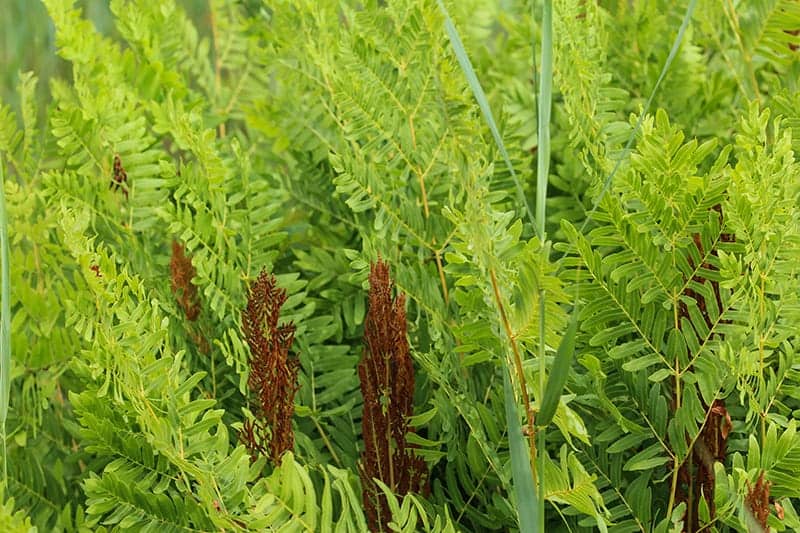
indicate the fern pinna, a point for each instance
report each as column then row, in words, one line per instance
column 273, row 374
column 387, row 383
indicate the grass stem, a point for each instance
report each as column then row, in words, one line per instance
column 542, row 177
column 545, row 105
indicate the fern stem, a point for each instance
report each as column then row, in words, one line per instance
column 442, row 279
column 517, row 363
column 326, row 441
column 213, row 374
column 5, row 321
column 314, row 418
column 541, row 433
column 676, row 464
column 733, row 21
column 762, row 311
column 421, row 177
column 676, row 467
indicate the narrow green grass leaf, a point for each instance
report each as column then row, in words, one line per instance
column 558, row 374
column 521, row 471
column 542, row 177
column 483, row 102
column 545, row 106
column 5, row 317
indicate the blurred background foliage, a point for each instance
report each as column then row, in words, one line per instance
column 27, row 42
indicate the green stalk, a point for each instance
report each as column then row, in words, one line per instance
column 5, row 320
column 521, row 457
column 540, row 431
column 524, row 486
column 542, row 175
column 545, row 104
column 550, row 389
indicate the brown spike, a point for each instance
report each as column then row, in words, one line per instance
column 273, row 375
column 184, row 290
column 387, row 385
column 758, row 499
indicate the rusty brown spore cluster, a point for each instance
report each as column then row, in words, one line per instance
column 273, row 373
column 387, row 384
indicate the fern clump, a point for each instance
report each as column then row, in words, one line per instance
column 622, row 357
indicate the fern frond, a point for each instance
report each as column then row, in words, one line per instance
column 286, row 499
column 160, row 33
column 14, row 520
column 768, row 29
column 592, row 106
column 126, row 506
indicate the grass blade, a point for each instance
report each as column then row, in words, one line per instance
column 5, row 318
column 483, row 102
column 524, row 489
column 558, row 374
column 545, row 106
column 542, row 177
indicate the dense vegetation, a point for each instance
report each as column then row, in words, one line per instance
column 291, row 268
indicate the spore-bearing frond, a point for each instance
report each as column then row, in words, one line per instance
column 387, row 384
column 273, row 374
column 182, row 271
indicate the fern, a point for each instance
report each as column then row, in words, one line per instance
column 309, row 139
column 14, row 521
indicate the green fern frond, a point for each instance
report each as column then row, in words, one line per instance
column 591, row 104
column 14, row 520
column 125, row 506
column 768, row 30
column 160, row 33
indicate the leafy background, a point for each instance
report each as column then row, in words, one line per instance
column 310, row 138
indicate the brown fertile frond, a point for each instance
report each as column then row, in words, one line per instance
column 120, row 177
column 182, row 271
column 273, row 374
column 758, row 500
column 386, row 373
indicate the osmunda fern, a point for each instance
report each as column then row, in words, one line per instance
column 273, row 374
column 703, row 300
column 182, row 271
column 131, row 358
column 387, row 383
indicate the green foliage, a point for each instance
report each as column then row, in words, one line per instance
column 310, row 138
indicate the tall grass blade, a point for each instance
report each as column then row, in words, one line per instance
column 542, row 177
column 558, row 374
column 5, row 318
column 545, row 106
column 483, row 103
column 524, row 490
